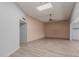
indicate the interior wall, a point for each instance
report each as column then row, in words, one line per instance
column 35, row 29
column 9, row 27
column 74, row 26
column 57, row 30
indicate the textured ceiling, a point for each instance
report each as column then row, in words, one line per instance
column 60, row 10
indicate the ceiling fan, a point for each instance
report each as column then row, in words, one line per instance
column 50, row 17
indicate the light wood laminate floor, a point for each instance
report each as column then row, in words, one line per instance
column 48, row 48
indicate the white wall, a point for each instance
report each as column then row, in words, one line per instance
column 35, row 29
column 9, row 27
column 54, row 30
column 74, row 33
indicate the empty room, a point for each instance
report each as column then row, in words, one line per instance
column 39, row 29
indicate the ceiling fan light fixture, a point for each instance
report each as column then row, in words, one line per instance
column 50, row 19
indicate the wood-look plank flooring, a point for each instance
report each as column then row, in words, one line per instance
column 48, row 48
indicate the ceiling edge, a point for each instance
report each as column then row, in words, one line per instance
column 21, row 9
column 35, row 19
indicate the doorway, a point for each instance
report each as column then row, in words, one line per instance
column 23, row 36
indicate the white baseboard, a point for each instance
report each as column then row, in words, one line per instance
column 35, row 39
column 12, row 52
